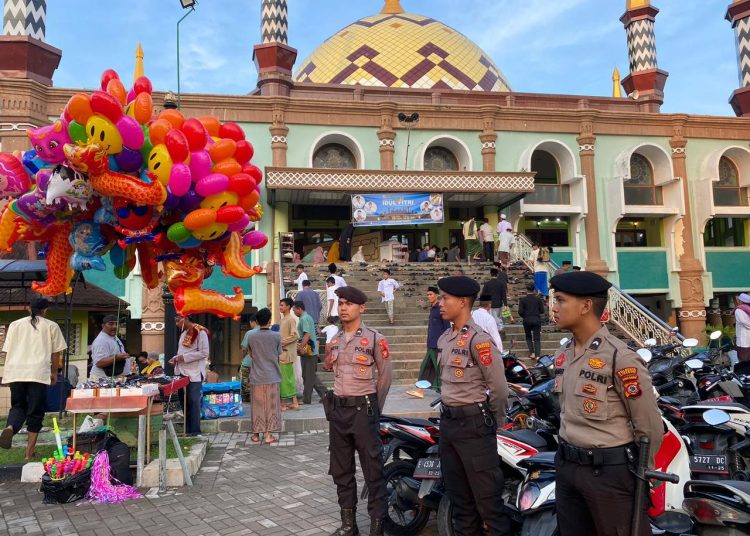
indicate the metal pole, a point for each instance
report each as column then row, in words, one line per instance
column 179, row 101
column 178, row 449
column 408, row 144
column 163, row 458
column 140, row 451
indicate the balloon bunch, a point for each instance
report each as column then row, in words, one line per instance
column 109, row 177
column 60, row 467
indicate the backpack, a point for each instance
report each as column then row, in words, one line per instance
column 543, row 255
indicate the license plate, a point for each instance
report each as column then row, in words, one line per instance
column 709, row 463
column 428, row 468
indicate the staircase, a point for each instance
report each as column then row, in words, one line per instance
column 407, row 338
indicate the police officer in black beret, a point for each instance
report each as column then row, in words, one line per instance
column 607, row 404
column 357, row 351
column 470, row 363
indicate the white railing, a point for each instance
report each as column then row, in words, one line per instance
column 623, row 310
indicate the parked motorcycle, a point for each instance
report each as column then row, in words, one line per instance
column 719, row 507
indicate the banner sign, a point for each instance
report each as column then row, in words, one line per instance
column 370, row 210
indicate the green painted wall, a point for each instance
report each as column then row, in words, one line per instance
column 643, row 269
column 106, row 279
column 730, row 268
column 418, row 143
column 511, row 145
column 301, row 139
column 79, row 318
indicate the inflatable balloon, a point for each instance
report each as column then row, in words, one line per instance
column 14, row 180
column 48, row 142
column 88, row 243
column 59, row 272
column 69, row 187
column 193, row 300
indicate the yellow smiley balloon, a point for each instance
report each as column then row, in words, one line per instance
column 102, row 132
column 224, row 199
column 211, row 232
column 160, row 163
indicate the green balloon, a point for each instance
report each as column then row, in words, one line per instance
column 178, row 233
column 147, row 145
column 121, row 272
column 77, row 132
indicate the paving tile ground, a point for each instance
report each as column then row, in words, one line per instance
column 241, row 489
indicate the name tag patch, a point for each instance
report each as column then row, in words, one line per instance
column 593, row 376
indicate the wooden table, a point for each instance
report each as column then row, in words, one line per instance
column 141, row 406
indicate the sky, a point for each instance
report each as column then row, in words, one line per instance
column 542, row 46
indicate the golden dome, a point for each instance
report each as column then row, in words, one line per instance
column 401, row 50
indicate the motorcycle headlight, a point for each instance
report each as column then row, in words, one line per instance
column 528, row 496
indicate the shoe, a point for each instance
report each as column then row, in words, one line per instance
column 376, row 527
column 348, row 523
column 6, row 437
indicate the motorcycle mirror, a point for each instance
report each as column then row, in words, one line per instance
column 690, row 343
column 564, row 341
column 695, row 364
column 715, row 335
column 675, row 329
column 650, row 342
column 645, row 354
column 715, row 417
column 517, row 369
column 423, row 384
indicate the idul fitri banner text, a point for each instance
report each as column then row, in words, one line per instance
column 396, row 209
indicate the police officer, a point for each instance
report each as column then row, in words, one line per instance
column 607, row 404
column 358, row 398
column 469, row 364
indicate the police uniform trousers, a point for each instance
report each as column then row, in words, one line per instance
column 352, row 429
column 595, row 500
column 472, row 475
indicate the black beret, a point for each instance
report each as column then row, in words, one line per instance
column 433, row 289
column 581, row 284
column 352, row 294
column 485, row 298
column 459, row 285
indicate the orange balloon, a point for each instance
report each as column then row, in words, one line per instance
column 211, row 123
column 228, row 167
column 79, row 107
column 143, row 106
column 117, row 90
column 200, row 218
column 157, row 131
column 249, row 201
column 174, row 117
column 222, row 149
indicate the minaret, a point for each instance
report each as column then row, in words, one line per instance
column 645, row 82
column 616, row 92
column 739, row 15
column 139, row 70
column 274, row 58
column 23, row 52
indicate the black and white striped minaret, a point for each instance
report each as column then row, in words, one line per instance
column 274, row 58
column 25, row 17
column 645, row 82
column 739, row 15
column 23, row 52
column 274, row 25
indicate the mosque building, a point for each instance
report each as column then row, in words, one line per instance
column 403, row 103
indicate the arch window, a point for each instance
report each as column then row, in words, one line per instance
column 334, row 156
column 727, row 190
column 640, row 188
column 547, row 187
column 440, row 159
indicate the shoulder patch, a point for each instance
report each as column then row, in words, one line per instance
column 629, row 378
column 596, row 363
column 485, row 352
column 595, row 344
column 384, row 351
column 560, row 360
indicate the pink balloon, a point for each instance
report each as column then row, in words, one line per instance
column 131, row 132
column 212, row 184
column 179, row 179
column 255, row 239
column 200, row 164
column 240, row 224
column 14, row 180
column 131, row 96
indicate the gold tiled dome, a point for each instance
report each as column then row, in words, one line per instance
column 402, row 50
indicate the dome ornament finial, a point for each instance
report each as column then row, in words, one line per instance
column 635, row 4
column 392, row 7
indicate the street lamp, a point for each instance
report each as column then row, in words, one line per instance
column 186, row 4
column 410, row 122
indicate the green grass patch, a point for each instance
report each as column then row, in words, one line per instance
column 15, row 455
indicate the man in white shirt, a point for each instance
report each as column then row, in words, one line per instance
column 505, row 242
column 333, row 270
column 483, row 318
column 488, row 241
column 332, row 300
column 387, row 288
column 33, row 347
column 301, row 276
column 471, row 240
column 190, row 361
column 503, row 225
column 108, row 354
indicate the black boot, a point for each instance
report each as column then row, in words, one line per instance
column 348, row 523
column 376, row 527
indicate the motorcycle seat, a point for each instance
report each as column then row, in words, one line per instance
column 413, row 421
column 735, row 405
column 544, row 459
column 673, row 522
column 525, row 436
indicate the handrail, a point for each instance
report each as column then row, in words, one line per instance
column 623, row 310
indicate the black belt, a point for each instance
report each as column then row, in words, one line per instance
column 352, row 401
column 591, row 456
column 460, row 412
